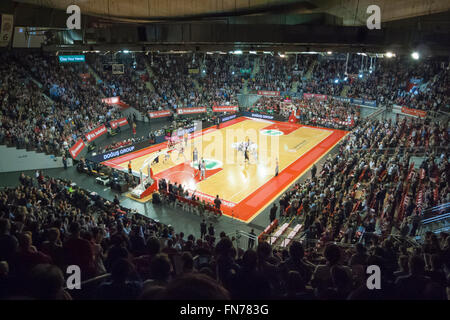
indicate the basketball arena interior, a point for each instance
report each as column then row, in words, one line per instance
column 224, row 150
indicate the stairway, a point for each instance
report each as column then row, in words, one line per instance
column 151, row 75
column 310, row 71
column 294, row 86
column 15, row 159
column 149, row 86
column 197, row 86
column 93, row 73
column 245, row 86
column 41, row 87
column 97, row 78
column 149, row 69
column 255, row 70
column 345, row 90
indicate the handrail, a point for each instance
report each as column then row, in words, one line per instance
column 94, row 279
column 438, row 207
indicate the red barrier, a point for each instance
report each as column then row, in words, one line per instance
column 268, row 229
column 194, row 203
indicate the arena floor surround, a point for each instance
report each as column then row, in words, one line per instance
column 246, row 188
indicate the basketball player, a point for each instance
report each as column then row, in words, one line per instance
column 199, row 167
column 195, row 155
column 255, row 153
column 241, row 147
column 203, row 170
column 276, row 168
column 246, row 158
column 185, row 138
column 181, row 151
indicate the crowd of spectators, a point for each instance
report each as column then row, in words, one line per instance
column 388, row 81
column 121, row 144
column 190, row 80
column 51, row 125
column 47, row 225
column 326, row 113
column 370, row 189
column 24, row 111
column 372, row 185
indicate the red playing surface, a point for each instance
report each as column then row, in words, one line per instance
column 284, row 127
column 184, row 173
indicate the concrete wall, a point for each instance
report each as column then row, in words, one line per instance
column 13, row 159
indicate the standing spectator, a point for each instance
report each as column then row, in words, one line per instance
column 27, row 257
column 273, row 212
column 295, row 263
column 211, row 230
column 412, row 286
column 120, row 288
column 8, row 242
column 203, row 227
column 116, row 200
column 251, row 240
column 79, row 252
column 217, row 202
column 313, row 171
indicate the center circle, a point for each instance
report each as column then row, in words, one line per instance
column 210, row 164
column 271, row 132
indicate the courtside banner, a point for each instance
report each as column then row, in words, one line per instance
column 258, row 115
column 320, row 97
column 76, row 148
column 94, row 134
column 357, row 101
column 118, row 123
column 159, row 114
column 268, row 93
column 225, row 108
column 191, row 110
column 414, row 112
column 343, row 99
column 111, row 100
column 119, row 152
column 228, row 118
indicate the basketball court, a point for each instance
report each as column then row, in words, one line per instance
column 245, row 187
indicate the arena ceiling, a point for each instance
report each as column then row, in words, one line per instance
column 350, row 12
column 284, row 24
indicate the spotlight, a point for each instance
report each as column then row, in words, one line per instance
column 415, row 55
column 125, row 51
column 360, row 75
column 336, row 81
column 389, row 54
column 329, row 52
